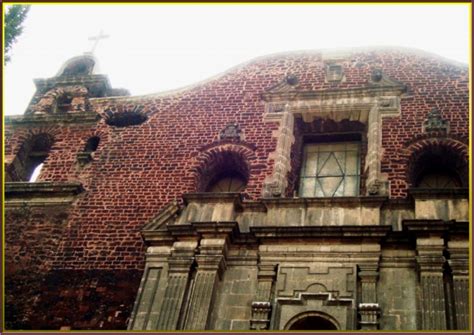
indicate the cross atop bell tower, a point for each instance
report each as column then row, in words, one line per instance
column 96, row 40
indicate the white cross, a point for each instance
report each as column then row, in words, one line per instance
column 97, row 39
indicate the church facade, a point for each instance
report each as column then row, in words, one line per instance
column 299, row 191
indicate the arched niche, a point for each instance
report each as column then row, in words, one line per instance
column 223, row 168
column 438, row 164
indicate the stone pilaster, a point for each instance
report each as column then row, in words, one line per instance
column 261, row 307
column 180, row 262
column 211, row 264
column 431, row 261
column 148, row 299
column 459, row 264
column 369, row 308
column 275, row 185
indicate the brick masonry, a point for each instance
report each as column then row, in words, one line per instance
column 138, row 169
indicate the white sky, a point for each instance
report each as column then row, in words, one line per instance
column 154, row 48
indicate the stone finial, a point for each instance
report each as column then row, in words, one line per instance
column 231, row 132
column 435, row 122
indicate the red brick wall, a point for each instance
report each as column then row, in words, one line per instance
column 98, row 300
column 138, row 169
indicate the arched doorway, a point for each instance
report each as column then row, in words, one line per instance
column 312, row 321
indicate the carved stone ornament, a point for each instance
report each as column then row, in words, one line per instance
column 434, row 122
column 231, row 132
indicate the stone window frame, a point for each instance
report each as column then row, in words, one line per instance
column 368, row 104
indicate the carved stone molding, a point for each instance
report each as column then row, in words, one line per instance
column 367, row 105
column 435, row 123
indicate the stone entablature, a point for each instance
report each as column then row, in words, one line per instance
column 327, row 212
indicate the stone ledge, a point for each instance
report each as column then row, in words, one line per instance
column 212, row 197
column 376, row 201
column 41, row 192
column 439, row 193
column 431, row 226
column 321, row 231
column 70, row 117
column 73, row 80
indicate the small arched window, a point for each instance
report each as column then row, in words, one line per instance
column 30, row 158
column 64, row 103
column 438, row 167
column 223, row 171
column 92, row 144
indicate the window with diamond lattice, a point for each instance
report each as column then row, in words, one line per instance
column 330, row 170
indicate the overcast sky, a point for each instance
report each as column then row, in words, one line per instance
column 154, row 48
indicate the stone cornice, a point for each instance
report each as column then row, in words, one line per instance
column 321, row 231
column 375, row 201
column 358, row 92
column 41, row 193
column 440, row 227
column 34, row 119
column 72, row 80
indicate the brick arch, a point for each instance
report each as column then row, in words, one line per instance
column 76, row 90
column 219, row 159
column 23, row 164
column 47, row 101
column 101, row 134
column 450, row 154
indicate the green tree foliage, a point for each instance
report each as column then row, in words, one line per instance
column 14, row 17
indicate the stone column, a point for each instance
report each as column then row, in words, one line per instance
column 261, row 307
column 211, row 264
column 431, row 265
column 180, row 262
column 369, row 308
column 459, row 264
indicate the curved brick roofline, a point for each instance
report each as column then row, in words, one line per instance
column 337, row 53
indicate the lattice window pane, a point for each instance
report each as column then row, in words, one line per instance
column 330, row 170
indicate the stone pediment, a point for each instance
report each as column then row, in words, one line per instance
column 379, row 79
column 288, row 84
column 166, row 215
